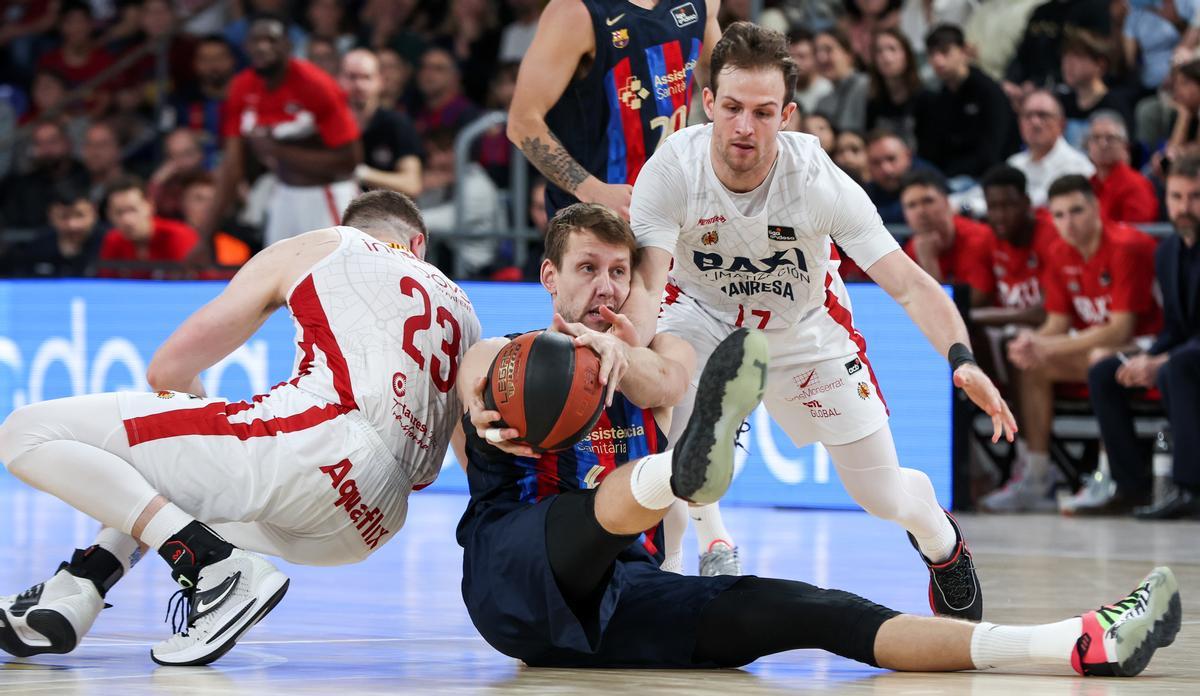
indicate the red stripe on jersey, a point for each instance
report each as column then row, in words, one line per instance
column 631, row 124
column 605, row 455
column 547, row 474
column 672, row 294
column 841, row 315
column 213, row 419
column 648, row 540
column 673, row 59
column 306, row 307
column 651, row 429
column 332, row 205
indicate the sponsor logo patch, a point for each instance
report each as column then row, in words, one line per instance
column 685, row 14
column 709, row 238
column 704, row 222
column 779, row 233
column 398, row 381
column 853, row 366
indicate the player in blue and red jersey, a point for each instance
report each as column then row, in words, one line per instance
column 603, row 84
column 557, row 571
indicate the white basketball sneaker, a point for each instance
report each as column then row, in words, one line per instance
column 229, row 597
column 50, row 617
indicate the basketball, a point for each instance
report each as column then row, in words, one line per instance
column 547, row 388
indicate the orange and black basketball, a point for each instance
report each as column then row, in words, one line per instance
column 547, row 388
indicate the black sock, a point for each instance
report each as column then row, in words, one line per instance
column 98, row 565
column 192, row 548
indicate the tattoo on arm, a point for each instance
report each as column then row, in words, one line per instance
column 553, row 161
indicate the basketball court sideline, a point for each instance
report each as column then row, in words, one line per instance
column 396, row 623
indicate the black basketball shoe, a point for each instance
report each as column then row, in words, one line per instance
column 953, row 585
column 731, row 386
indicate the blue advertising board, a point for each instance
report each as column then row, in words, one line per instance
column 62, row 338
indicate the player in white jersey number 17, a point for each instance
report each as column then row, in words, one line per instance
column 747, row 212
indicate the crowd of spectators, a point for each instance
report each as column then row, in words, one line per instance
column 1015, row 140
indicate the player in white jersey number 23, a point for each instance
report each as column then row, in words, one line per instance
column 317, row 471
column 747, row 214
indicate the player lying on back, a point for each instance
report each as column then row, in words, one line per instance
column 317, row 471
column 559, row 571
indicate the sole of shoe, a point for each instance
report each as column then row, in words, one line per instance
column 272, row 593
column 1153, row 630
column 731, row 386
column 53, row 626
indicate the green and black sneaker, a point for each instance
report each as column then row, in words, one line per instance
column 731, row 386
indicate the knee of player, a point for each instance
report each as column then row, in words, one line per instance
column 18, row 435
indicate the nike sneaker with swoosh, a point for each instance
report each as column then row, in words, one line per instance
column 226, row 600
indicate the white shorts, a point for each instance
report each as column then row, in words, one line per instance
column 291, row 475
column 294, row 210
column 832, row 399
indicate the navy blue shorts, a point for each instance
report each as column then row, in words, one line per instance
column 646, row 617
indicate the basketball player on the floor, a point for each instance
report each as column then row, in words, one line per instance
column 748, row 212
column 296, row 121
column 556, row 571
column 317, row 471
column 602, row 86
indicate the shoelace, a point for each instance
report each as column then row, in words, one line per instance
column 957, row 581
column 179, row 609
column 737, row 439
column 1136, row 600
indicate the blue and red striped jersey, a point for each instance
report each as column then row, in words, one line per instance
column 635, row 93
column 624, row 433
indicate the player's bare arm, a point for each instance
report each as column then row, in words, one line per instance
column 1117, row 331
column 563, row 39
column 654, row 376
column 935, row 314
column 221, row 326
column 712, row 34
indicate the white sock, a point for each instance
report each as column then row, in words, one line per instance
column 674, row 525
column 1037, row 466
column 710, row 528
column 937, row 548
column 995, row 646
column 124, row 547
column 166, row 523
column 650, row 482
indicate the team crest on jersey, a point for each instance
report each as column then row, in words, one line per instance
column 620, row 38
column 779, row 233
column 685, row 14
column 165, row 394
column 710, row 238
column 864, row 392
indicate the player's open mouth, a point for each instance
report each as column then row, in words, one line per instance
column 594, row 313
column 744, row 146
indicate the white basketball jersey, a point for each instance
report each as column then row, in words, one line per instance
column 381, row 331
column 769, row 268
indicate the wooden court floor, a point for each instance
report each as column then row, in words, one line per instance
column 396, row 624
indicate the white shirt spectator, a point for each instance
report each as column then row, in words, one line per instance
column 481, row 213
column 808, row 97
column 1060, row 161
column 515, row 40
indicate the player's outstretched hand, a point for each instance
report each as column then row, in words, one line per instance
column 613, row 352
column 980, row 390
column 484, row 421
